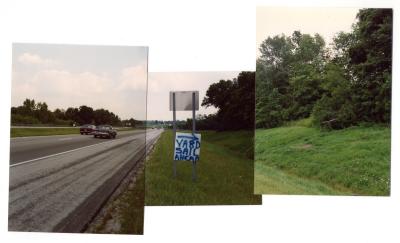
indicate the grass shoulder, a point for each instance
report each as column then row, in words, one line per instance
column 224, row 172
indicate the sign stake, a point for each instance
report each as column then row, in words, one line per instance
column 186, row 146
column 174, row 124
column 194, row 176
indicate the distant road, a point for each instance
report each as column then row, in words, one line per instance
column 58, row 183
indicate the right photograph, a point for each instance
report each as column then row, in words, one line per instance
column 323, row 101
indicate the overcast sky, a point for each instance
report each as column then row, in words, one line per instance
column 327, row 22
column 109, row 77
column 160, row 84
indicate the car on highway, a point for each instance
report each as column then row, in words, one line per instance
column 106, row 131
column 87, row 129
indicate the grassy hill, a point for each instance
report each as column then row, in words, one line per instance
column 225, row 172
column 298, row 159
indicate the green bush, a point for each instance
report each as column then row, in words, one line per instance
column 17, row 119
column 63, row 122
column 331, row 113
column 335, row 110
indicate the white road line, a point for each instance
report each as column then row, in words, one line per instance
column 52, row 155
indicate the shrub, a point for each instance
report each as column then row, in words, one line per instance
column 17, row 119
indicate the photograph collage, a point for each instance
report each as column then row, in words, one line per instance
column 95, row 138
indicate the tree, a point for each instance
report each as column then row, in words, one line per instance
column 335, row 110
column 72, row 114
column 371, row 62
column 218, row 94
column 86, row 114
column 28, row 107
column 288, row 77
column 38, row 113
column 234, row 100
column 59, row 114
column 43, row 114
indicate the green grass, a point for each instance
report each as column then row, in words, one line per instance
column 224, row 172
column 274, row 181
column 26, row 132
column 132, row 208
column 305, row 160
column 306, row 122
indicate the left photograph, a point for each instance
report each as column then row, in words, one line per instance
column 77, row 138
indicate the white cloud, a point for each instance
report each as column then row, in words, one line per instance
column 133, row 78
column 34, row 59
column 63, row 89
column 74, row 84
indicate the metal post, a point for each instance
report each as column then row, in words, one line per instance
column 174, row 127
column 194, row 112
column 194, row 131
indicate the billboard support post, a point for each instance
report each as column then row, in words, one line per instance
column 186, row 146
column 194, row 131
column 174, row 124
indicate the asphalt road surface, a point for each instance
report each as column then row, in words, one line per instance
column 27, row 148
column 59, row 183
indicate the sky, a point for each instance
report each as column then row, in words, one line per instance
column 109, row 77
column 327, row 22
column 161, row 83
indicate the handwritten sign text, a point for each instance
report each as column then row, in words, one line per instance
column 187, row 146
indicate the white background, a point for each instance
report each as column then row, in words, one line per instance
column 196, row 36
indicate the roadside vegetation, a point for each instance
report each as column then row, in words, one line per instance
column 224, row 172
column 339, row 86
column 323, row 113
column 132, row 208
column 34, row 113
column 234, row 100
column 305, row 160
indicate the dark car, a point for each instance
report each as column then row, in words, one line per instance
column 106, row 131
column 87, row 129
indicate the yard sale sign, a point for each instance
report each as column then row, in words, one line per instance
column 187, row 146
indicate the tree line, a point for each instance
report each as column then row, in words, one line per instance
column 234, row 100
column 338, row 86
column 32, row 113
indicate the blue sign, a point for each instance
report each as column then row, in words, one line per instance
column 187, row 146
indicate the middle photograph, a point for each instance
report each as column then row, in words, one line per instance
column 203, row 125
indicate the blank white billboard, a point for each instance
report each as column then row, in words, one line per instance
column 183, row 100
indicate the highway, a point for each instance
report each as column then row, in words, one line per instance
column 59, row 183
column 27, row 148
